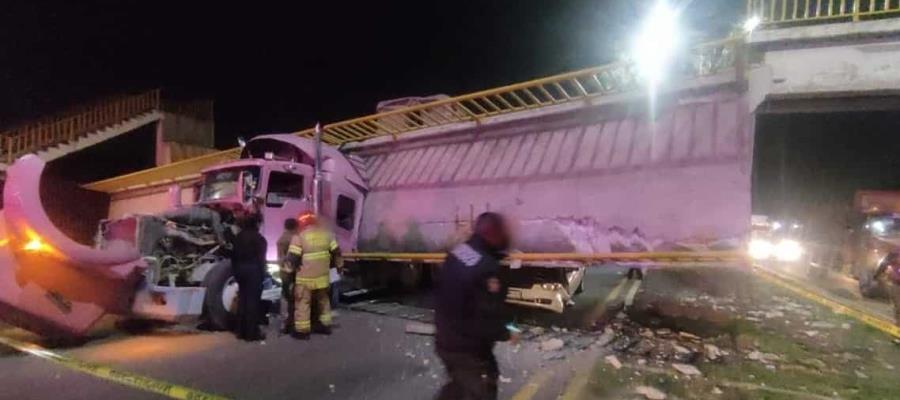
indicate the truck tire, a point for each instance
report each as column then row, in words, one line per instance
column 219, row 282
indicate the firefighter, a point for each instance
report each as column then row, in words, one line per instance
column 248, row 260
column 471, row 312
column 312, row 252
column 287, row 274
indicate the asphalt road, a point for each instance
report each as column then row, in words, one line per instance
column 369, row 356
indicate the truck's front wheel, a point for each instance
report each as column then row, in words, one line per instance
column 220, row 303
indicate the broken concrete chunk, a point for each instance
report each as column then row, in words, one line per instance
column 419, row 328
column 821, row 325
column 712, row 352
column 553, row 344
column 607, row 337
column 650, row 392
column 716, row 390
column 686, row 369
column 861, row 375
column 688, row 336
column 613, row 360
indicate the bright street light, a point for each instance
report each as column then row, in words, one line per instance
column 656, row 43
column 751, row 23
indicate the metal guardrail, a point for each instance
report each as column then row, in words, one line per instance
column 703, row 60
column 798, row 12
column 664, row 257
column 44, row 133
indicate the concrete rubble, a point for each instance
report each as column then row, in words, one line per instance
column 650, row 392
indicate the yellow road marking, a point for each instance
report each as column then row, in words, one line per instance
column 576, row 385
column 601, row 308
column 530, row 388
column 103, row 372
column 629, row 298
column 867, row 318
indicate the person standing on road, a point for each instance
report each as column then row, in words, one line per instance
column 287, row 274
column 311, row 253
column 248, row 260
column 471, row 311
column 890, row 265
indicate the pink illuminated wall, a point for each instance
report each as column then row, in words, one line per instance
column 590, row 180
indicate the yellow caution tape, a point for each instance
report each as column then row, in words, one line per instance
column 867, row 318
column 104, row 372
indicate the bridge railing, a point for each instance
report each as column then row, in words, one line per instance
column 40, row 134
column 800, row 12
column 702, row 60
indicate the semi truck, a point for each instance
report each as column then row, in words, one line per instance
column 173, row 265
column 578, row 162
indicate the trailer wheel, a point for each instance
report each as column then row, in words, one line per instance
column 220, row 303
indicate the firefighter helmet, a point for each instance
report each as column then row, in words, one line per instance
column 306, row 219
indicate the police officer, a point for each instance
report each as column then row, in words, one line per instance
column 311, row 253
column 248, row 260
column 471, row 312
column 287, row 273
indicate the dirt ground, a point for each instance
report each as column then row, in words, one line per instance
column 729, row 335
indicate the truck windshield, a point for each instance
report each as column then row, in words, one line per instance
column 223, row 184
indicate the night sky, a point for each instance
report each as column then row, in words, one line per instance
column 280, row 68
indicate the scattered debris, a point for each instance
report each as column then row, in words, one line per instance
column 650, row 392
column 613, row 360
column 606, row 338
column 821, row 325
column 686, row 369
column 716, row 390
column 712, row 352
column 861, row 375
column 552, row 344
column 419, row 328
column 504, row 379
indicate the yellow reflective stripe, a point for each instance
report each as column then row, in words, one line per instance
column 333, row 246
column 325, row 319
column 319, row 282
column 316, row 255
column 302, row 326
column 294, row 249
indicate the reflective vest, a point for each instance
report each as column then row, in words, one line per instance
column 314, row 246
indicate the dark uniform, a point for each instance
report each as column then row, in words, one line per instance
column 470, row 316
column 249, row 263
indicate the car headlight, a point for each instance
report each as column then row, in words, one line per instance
column 788, row 250
column 760, row 249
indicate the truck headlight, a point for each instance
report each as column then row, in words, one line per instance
column 760, row 249
column 551, row 286
column 788, row 250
